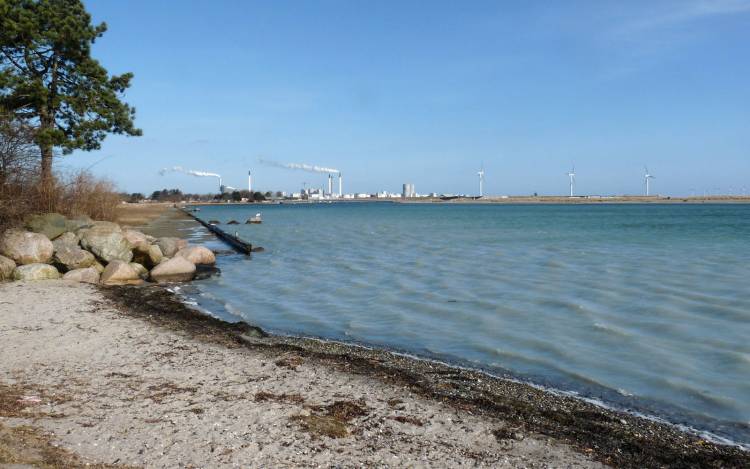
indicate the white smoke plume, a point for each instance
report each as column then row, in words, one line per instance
column 180, row 169
column 301, row 166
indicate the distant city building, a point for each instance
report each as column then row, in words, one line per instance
column 408, row 190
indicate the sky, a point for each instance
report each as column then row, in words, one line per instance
column 428, row 92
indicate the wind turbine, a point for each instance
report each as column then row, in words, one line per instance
column 646, row 178
column 572, row 176
column 481, row 181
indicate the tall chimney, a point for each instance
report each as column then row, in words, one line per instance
column 341, row 192
column 330, row 185
column 221, row 186
column 250, row 182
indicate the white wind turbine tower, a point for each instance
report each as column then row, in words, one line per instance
column 646, row 178
column 481, row 181
column 572, row 176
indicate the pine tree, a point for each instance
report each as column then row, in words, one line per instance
column 49, row 80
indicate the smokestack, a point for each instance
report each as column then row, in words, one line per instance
column 341, row 192
column 330, row 185
column 250, row 182
column 221, row 186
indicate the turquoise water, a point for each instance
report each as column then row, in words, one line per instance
column 646, row 307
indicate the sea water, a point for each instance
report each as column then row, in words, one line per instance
column 646, row 307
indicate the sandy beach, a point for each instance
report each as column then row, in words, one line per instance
column 115, row 389
column 130, row 377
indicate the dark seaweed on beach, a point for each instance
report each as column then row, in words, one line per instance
column 615, row 438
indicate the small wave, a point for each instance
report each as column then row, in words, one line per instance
column 610, row 329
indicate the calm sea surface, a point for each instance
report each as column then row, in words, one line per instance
column 646, row 307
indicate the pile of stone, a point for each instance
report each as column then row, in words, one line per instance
column 80, row 249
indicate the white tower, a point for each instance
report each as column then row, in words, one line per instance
column 481, row 181
column 341, row 187
column 572, row 176
column 250, row 182
column 646, row 178
column 330, row 184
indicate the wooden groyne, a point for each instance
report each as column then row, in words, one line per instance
column 238, row 244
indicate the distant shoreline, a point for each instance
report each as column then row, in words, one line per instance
column 510, row 200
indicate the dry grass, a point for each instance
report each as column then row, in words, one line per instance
column 139, row 214
column 74, row 194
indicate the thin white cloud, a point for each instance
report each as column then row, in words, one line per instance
column 684, row 12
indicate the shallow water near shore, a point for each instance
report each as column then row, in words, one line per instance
column 641, row 306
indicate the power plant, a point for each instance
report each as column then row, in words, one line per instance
column 324, row 192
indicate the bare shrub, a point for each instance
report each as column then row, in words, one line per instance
column 74, row 193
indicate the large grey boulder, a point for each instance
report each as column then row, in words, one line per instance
column 73, row 257
column 50, row 225
column 197, row 255
column 169, row 245
column 86, row 275
column 120, row 272
column 137, row 239
column 150, row 258
column 177, row 269
column 35, row 272
column 67, row 239
column 142, row 271
column 106, row 241
column 25, row 247
column 7, row 266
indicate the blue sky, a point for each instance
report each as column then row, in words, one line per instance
column 426, row 92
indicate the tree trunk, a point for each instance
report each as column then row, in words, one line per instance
column 46, row 165
column 45, row 193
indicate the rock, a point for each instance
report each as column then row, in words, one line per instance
column 150, row 258
column 120, row 272
column 142, row 271
column 7, row 266
column 177, row 269
column 35, row 271
column 25, row 247
column 106, row 241
column 78, row 222
column 73, row 257
column 197, row 255
column 87, row 275
column 137, row 240
column 67, row 239
column 204, row 271
column 98, row 267
column 214, row 222
column 169, row 245
column 150, row 239
column 233, row 222
column 50, row 225
column 258, row 249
